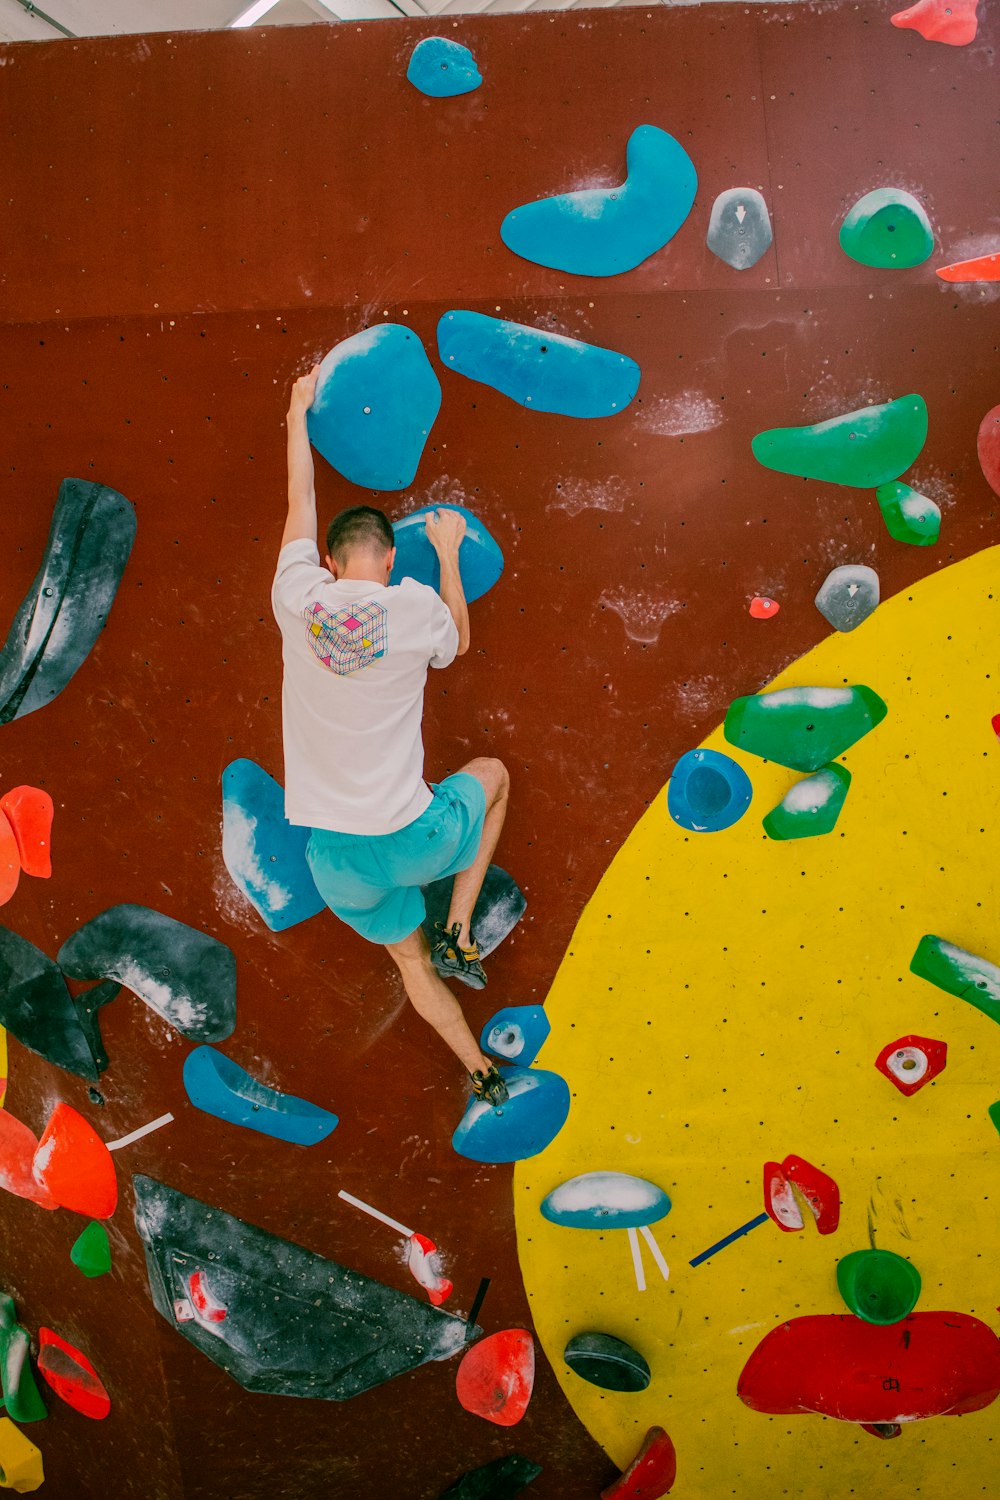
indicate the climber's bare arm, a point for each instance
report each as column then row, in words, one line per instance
column 301, row 522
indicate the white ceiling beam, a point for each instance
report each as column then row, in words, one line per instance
column 358, row 10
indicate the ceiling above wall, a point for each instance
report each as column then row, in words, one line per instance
column 21, row 21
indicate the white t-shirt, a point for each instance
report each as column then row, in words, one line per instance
column 356, row 655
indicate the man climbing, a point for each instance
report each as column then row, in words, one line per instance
column 356, row 652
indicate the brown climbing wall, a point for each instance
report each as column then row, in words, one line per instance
column 186, row 223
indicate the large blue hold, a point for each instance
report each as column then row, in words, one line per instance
column 516, row 1033
column 604, row 231
column 480, row 560
column 707, row 791
column 375, row 404
column 606, row 1200
column 263, row 852
column 220, row 1087
column 529, row 1121
column 540, row 370
column 442, row 68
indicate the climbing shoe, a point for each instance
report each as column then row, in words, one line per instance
column 489, row 1086
column 453, row 962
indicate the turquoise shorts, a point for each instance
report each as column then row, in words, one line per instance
column 372, row 881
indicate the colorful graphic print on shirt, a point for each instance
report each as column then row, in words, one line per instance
column 347, row 640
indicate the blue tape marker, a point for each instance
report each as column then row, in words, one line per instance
column 737, row 1234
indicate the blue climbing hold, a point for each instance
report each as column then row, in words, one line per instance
column 605, row 1200
column 480, row 560
column 604, row 231
column 707, row 791
column 263, row 852
column 220, row 1087
column 530, row 1119
column 375, row 404
column 442, row 68
column 540, row 370
column 516, row 1033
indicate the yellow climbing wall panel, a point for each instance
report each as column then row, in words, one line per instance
column 722, row 1003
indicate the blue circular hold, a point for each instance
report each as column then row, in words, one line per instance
column 707, row 791
column 528, row 1122
column 480, row 560
column 442, row 68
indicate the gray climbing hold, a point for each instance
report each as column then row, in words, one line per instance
column 739, row 230
column 848, row 595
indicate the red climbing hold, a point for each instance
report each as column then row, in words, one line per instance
column 17, row 1151
column 207, row 1309
column 421, row 1259
column 650, row 1474
column 10, row 861
column 30, row 812
column 988, row 446
column 75, row 1165
column 762, row 608
column 820, row 1192
column 495, row 1378
column 71, row 1375
column 982, row 268
column 950, row 21
column 996, row 725
column 911, row 1061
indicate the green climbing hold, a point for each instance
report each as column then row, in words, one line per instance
column 908, row 517
column 878, row 1285
column 865, row 448
column 994, row 1113
column 958, row 973
column 20, row 1393
column 889, row 229
column 803, row 727
column 811, row 806
column 91, row 1252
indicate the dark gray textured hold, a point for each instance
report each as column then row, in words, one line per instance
column 500, row 1480
column 36, row 1008
column 500, row 907
column 608, row 1362
column 848, row 596
column 739, row 230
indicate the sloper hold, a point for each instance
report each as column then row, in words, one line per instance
column 605, row 1200
column 739, row 229
column 442, row 69
column 878, row 1285
column 295, row 1324
column 499, row 907
column 71, row 1375
column 908, row 516
column 220, row 1087
column 950, row 21
column 376, row 400
column 848, row 595
column 651, row 1473
column 18, row 1145
column 516, row 1033
column 931, row 1364
column 911, row 1061
column 707, row 792
column 803, row 728
column 186, row 976
column 988, row 448
column 604, row 231
column 29, row 812
column 480, row 561
column 91, row 1252
column 540, row 370
column 980, row 268
column 608, row 1362
column 503, row 1479
column 864, row 448
column 523, row 1126
column 495, row 1379
column 964, row 975
column 20, row 1393
column 35, row 1007
column 74, row 1165
column 811, row 807
column 263, row 852
column 67, row 605
column 20, row 1461
column 887, row 229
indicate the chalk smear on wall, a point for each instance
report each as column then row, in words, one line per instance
column 681, row 416
column 641, row 611
column 577, row 495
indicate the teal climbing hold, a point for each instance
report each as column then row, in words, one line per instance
column 964, row 975
column 889, row 229
column 443, row 69
column 516, row 1033
column 525, row 1124
column 605, row 1200
column 480, row 561
column 908, row 517
column 878, row 1285
column 866, row 448
column 811, row 806
column 803, row 727
column 91, row 1252
column 264, row 853
column 220, row 1087
column 604, row 231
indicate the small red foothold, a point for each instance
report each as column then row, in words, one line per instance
column 996, row 725
column 762, row 608
column 950, row 21
column 17, row 1152
column 988, row 448
column 424, row 1270
column 819, row 1191
column 10, row 861
column 75, row 1166
column 30, row 812
column 911, row 1061
column 650, row 1474
column 204, row 1304
column 982, row 268
column 495, row 1378
column 71, row 1375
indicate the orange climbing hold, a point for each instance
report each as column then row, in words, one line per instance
column 10, row 861
column 496, row 1377
column 17, row 1152
column 29, row 811
column 983, row 268
column 74, row 1164
column 71, row 1375
column 988, row 448
column 950, row 21
column 762, row 608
